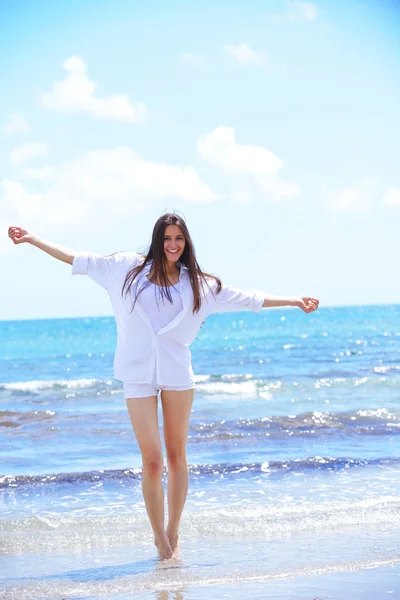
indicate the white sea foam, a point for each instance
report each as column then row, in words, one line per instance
column 249, row 520
column 46, row 384
column 242, row 385
column 244, row 388
column 386, row 368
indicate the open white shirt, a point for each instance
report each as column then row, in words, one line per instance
column 140, row 351
column 157, row 306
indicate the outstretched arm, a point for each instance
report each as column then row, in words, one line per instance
column 231, row 299
column 20, row 235
column 306, row 303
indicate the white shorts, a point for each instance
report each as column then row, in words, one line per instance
column 143, row 390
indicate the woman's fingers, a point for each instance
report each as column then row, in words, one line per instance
column 13, row 231
column 17, row 234
column 309, row 304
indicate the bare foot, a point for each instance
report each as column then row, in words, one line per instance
column 163, row 547
column 174, row 541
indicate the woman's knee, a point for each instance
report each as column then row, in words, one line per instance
column 176, row 458
column 153, row 465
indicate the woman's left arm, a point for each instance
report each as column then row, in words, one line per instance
column 306, row 303
column 232, row 299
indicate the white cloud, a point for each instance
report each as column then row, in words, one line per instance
column 28, row 152
column 40, row 174
column 299, row 11
column 76, row 93
column 248, row 165
column 49, row 207
column 192, row 59
column 243, row 54
column 103, row 183
column 392, row 197
column 16, row 123
column 357, row 198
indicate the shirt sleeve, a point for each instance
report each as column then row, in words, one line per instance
column 231, row 299
column 104, row 270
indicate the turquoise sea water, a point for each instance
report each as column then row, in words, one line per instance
column 294, row 453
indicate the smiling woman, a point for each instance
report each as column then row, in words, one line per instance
column 160, row 301
column 174, row 243
column 171, row 244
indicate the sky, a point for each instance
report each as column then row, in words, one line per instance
column 273, row 127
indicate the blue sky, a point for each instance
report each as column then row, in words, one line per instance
column 272, row 126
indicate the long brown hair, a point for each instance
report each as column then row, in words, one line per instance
column 156, row 254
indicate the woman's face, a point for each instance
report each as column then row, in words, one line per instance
column 174, row 243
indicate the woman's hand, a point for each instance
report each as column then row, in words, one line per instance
column 19, row 235
column 307, row 303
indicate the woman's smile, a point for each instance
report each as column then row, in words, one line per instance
column 174, row 242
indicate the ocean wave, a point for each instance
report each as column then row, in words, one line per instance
column 37, row 386
column 148, row 579
column 374, row 422
column 158, row 580
column 363, row 422
column 217, row 469
column 240, row 385
column 220, row 521
column 386, row 368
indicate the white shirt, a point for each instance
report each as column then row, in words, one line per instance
column 157, row 307
column 139, row 350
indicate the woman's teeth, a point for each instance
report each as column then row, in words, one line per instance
column 173, row 251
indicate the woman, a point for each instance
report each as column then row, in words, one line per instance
column 159, row 301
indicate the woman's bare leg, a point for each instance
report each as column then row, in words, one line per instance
column 143, row 415
column 176, row 412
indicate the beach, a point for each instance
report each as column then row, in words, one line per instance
column 293, row 452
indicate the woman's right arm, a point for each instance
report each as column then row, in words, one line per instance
column 20, row 235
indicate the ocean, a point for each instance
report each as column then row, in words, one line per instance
column 293, row 447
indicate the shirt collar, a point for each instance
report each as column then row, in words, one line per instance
column 182, row 268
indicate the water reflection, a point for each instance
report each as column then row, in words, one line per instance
column 164, row 568
column 171, row 594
